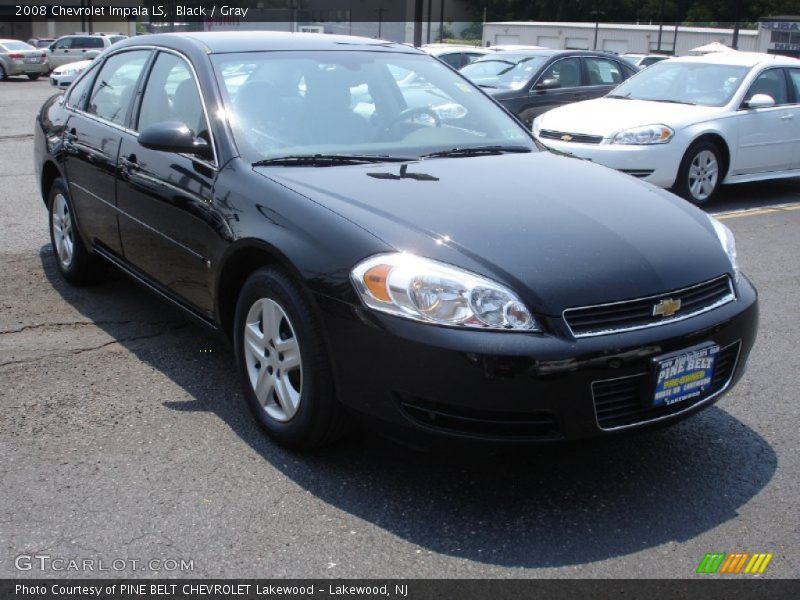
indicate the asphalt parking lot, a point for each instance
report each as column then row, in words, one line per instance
column 123, row 435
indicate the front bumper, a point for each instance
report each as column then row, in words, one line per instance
column 62, row 81
column 521, row 387
column 657, row 163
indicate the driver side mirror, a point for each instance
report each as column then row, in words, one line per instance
column 546, row 84
column 760, row 101
column 173, row 136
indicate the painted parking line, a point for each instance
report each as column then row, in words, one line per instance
column 752, row 212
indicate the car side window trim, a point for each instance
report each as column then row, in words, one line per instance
column 92, row 72
column 585, row 73
column 121, row 126
column 554, row 63
column 784, row 77
column 137, row 104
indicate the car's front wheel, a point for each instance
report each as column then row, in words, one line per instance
column 73, row 259
column 33, row 76
column 2, row 73
column 283, row 363
column 700, row 173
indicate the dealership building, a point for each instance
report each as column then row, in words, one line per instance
column 776, row 35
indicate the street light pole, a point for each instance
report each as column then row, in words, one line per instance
column 661, row 23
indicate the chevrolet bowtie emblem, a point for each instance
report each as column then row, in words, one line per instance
column 566, row 138
column 666, row 307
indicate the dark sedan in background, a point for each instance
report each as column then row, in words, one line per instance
column 531, row 82
column 430, row 269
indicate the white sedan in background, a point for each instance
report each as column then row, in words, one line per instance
column 690, row 124
column 63, row 76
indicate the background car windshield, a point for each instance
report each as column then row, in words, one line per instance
column 693, row 83
column 301, row 103
column 518, row 75
column 11, row 46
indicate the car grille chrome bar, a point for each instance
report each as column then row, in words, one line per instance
column 576, row 138
column 629, row 315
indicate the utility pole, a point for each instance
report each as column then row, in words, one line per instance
column 380, row 19
column 660, row 23
column 430, row 6
column 735, row 43
column 417, row 23
column 441, row 21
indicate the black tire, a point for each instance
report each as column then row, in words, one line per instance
column 33, row 76
column 82, row 267
column 699, row 194
column 3, row 75
column 319, row 418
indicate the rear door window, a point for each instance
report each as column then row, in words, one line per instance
column 115, row 86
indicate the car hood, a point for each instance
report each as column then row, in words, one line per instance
column 607, row 116
column 81, row 64
column 560, row 231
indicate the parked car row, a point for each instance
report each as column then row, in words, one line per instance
column 39, row 56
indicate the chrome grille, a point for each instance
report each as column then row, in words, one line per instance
column 575, row 138
column 627, row 315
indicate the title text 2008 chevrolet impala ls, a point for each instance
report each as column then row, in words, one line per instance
column 378, row 237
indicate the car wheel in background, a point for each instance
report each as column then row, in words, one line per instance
column 33, row 76
column 2, row 73
column 283, row 363
column 700, row 173
column 73, row 259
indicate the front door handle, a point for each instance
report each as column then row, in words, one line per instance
column 130, row 162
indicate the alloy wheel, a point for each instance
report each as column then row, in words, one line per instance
column 63, row 236
column 703, row 174
column 272, row 356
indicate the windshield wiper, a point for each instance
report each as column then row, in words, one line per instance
column 327, row 160
column 619, row 96
column 486, row 85
column 674, row 101
column 476, row 150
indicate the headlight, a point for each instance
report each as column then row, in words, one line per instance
column 432, row 292
column 725, row 236
column 649, row 134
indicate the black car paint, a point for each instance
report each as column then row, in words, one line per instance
column 528, row 102
column 560, row 231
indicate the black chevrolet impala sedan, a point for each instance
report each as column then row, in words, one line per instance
column 380, row 239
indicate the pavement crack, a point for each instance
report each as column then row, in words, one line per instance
column 92, row 348
column 79, row 323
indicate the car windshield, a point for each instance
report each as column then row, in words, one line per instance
column 305, row 103
column 507, row 76
column 706, row 84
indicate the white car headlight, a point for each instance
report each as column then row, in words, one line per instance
column 648, row 134
column 728, row 243
column 425, row 290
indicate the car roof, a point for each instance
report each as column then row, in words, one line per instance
column 437, row 49
column 743, row 59
column 222, row 42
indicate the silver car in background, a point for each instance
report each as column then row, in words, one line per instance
column 19, row 58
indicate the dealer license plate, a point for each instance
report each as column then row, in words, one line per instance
column 32, row 59
column 684, row 375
